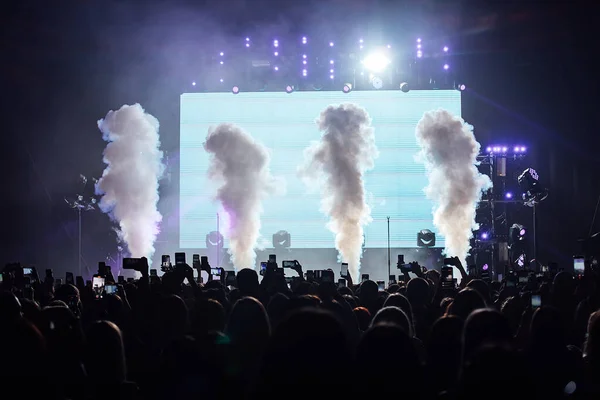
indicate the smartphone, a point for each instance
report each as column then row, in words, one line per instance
column 153, row 272
column 98, row 286
column 57, row 282
column 195, row 261
column 344, row 270
column 215, row 271
column 102, row 268
column 49, row 274
column 121, row 279
column 230, row 278
column 447, row 274
column 263, row 268
column 131, row 263
column 381, row 286
column 327, row 276
column 500, row 277
column 310, row 275
column 27, row 282
column 69, row 279
column 165, row 261
column 27, row 271
column 179, row 258
column 79, row 281
column 536, row 301
column 110, row 289
column 272, row 258
column 448, row 261
column 392, row 279
column 289, row 264
column 365, row 277
column 341, row 283
column 400, row 260
column 579, row 264
column 510, row 283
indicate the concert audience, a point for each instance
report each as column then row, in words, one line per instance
column 278, row 338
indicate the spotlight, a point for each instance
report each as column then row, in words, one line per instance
column 516, row 234
column 331, row 76
column 425, row 238
column 376, row 82
column 489, row 149
column 523, row 149
column 360, row 41
column 419, row 46
column 419, row 40
column 304, row 40
column 331, row 62
column 508, row 195
column 193, row 83
column 221, row 54
column 517, row 149
column 304, row 72
column 484, row 236
column 376, row 62
column 275, row 43
column 445, row 49
column 446, row 67
column 330, row 44
column 504, row 149
column 389, row 46
column 304, row 56
column 221, row 80
column 404, row 87
column 247, row 39
column 289, row 89
column 221, row 62
column 276, row 68
column 276, row 53
column 419, row 54
column 347, row 88
column 247, row 44
column 533, row 192
column 303, row 62
column 235, row 90
column 461, row 87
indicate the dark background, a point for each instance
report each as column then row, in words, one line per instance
column 531, row 69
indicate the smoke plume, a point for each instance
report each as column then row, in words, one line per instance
column 336, row 164
column 129, row 184
column 240, row 165
column 449, row 151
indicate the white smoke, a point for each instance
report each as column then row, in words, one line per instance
column 240, row 165
column 129, row 184
column 449, row 151
column 336, row 164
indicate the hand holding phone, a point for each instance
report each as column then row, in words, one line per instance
column 344, row 270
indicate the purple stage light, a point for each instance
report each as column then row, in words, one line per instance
column 517, row 149
column 360, row 47
column 347, row 88
column 304, row 62
column 276, row 68
column 193, row 83
column 330, row 44
column 221, row 80
column 360, row 41
column 488, row 149
column 504, row 149
column 235, row 90
column 331, row 62
column 247, row 44
column 461, row 87
column 484, row 235
column 485, row 267
column 304, row 40
column 508, row 195
column 445, row 49
column 419, row 54
column 331, row 77
column 221, row 54
column 522, row 232
column 331, row 71
column 419, row 40
column 276, row 53
column 446, row 67
column 289, row 89
column 275, row 43
column 247, row 39
column 523, row 149
column 221, row 62
column 389, row 46
column 304, row 72
column 419, row 46
column 303, row 55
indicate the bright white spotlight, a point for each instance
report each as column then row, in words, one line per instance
column 376, row 62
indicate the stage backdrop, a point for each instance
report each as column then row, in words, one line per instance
column 285, row 123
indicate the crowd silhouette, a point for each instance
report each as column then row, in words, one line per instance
column 171, row 337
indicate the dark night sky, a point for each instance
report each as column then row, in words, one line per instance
column 532, row 66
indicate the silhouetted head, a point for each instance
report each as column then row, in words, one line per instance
column 444, row 348
column 548, row 331
column 363, row 316
column 563, row 284
column 209, row 316
column 10, row 308
column 248, row 323
column 395, row 316
column 369, row 291
column 465, row 302
column 247, row 282
column 400, row 301
column 485, row 327
column 172, row 317
column 105, row 357
column 482, row 288
column 592, row 343
column 417, row 292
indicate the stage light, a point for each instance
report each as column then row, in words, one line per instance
column 418, row 46
column 516, row 149
column 221, row 80
column 331, row 76
column 533, row 192
column 360, row 47
column 419, row 54
column 221, row 54
column 276, row 53
column 221, row 62
column 304, row 72
column 247, row 39
column 376, row 62
column 419, row 40
column 508, row 195
column 425, row 238
column 193, row 83
column 377, row 82
column 235, row 90
column 276, row 68
column 304, row 62
column 360, row 41
column 517, row 233
column 247, row 44
column 404, row 87
column 331, row 62
column 461, row 87
column 331, row 71
column 445, row 49
column 523, row 149
column 282, row 240
column 289, row 89
column 484, row 236
column 446, row 67
column 347, row 88
column 389, row 46
column 330, row 44
column 304, row 40
column 275, row 43
column 504, row 149
column 485, row 267
column 304, row 56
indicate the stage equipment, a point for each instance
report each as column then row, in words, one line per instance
column 404, row 87
column 282, row 240
column 425, row 238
